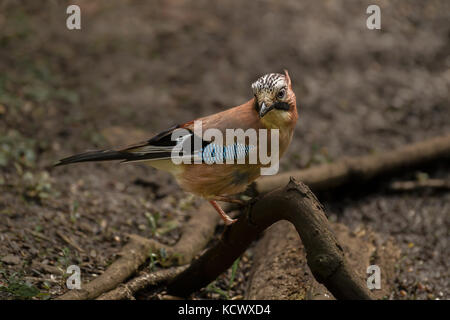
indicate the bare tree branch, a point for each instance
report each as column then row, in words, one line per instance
column 196, row 234
column 297, row 204
column 437, row 184
column 145, row 280
column 362, row 168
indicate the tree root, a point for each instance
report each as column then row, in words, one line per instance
column 436, row 184
column 297, row 204
column 280, row 270
column 143, row 281
column 359, row 169
column 196, row 234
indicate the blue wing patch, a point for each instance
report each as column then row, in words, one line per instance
column 215, row 153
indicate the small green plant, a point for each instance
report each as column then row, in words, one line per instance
column 234, row 268
column 64, row 259
column 164, row 258
column 74, row 215
column 37, row 187
column 422, row 176
column 212, row 288
column 153, row 261
column 161, row 258
column 167, row 227
column 186, row 203
column 17, row 150
column 152, row 221
column 17, row 287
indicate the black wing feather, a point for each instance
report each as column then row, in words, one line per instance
column 158, row 147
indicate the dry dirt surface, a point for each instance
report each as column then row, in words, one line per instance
column 137, row 67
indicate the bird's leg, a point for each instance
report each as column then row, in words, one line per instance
column 230, row 200
column 228, row 221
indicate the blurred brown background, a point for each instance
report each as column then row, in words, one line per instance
column 137, row 67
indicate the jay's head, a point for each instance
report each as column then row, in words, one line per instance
column 274, row 100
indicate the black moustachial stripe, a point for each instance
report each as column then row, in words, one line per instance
column 281, row 105
column 256, row 106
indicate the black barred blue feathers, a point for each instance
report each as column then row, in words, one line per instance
column 215, row 153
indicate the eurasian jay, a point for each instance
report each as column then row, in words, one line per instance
column 272, row 107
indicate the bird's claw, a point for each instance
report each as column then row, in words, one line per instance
column 229, row 221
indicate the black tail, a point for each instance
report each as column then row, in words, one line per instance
column 106, row 155
column 100, row 155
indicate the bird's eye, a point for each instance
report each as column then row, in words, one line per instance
column 281, row 94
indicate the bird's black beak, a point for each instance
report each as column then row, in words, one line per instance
column 264, row 109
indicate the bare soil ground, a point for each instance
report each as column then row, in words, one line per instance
column 137, row 67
